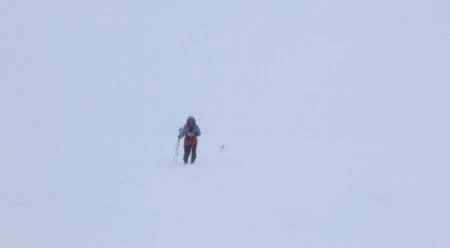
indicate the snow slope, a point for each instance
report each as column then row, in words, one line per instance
column 334, row 119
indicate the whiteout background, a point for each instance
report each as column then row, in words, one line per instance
column 335, row 117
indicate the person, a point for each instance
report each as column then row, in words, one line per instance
column 190, row 132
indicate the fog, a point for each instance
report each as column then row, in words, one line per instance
column 334, row 117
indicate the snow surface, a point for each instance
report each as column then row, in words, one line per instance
column 335, row 118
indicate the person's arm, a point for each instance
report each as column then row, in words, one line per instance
column 182, row 132
column 197, row 130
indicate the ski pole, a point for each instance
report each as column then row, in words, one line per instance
column 175, row 157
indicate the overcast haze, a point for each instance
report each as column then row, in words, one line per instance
column 335, row 118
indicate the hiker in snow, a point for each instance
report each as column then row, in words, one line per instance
column 190, row 132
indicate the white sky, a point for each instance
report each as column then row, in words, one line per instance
column 335, row 116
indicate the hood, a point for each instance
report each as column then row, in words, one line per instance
column 190, row 118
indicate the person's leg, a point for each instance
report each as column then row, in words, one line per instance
column 187, row 151
column 194, row 153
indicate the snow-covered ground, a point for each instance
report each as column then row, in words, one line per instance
column 334, row 119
